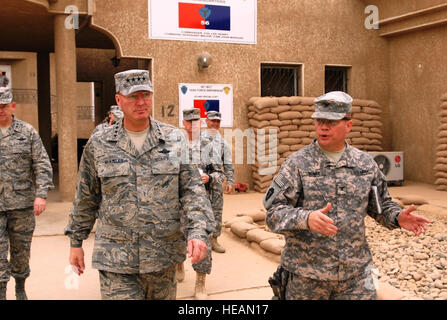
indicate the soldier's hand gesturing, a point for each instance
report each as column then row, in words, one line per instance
column 319, row 222
column 412, row 222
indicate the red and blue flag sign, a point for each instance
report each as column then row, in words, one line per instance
column 206, row 105
column 204, row 16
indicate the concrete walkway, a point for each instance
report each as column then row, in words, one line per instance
column 241, row 273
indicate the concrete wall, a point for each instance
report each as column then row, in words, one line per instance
column 418, row 78
column 313, row 33
column 24, row 80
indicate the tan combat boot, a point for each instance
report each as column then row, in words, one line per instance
column 216, row 246
column 20, row 290
column 3, row 290
column 200, row 292
column 180, row 272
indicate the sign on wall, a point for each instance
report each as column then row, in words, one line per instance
column 207, row 97
column 228, row 21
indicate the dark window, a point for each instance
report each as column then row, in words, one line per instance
column 278, row 81
column 336, row 79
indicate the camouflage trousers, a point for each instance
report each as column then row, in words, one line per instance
column 204, row 266
column 160, row 285
column 357, row 288
column 216, row 199
column 16, row 232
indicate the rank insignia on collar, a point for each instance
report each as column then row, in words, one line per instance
column 165, row 151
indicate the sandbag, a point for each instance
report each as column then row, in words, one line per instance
column 280, row 108
column 262, row 178
column 283, row 148
column 301, row 108
column 376, row 130
column 296, row 121
column 273, row 245
column 441, row 181
column 258, row 235
column 306, row 128
column 296, row 147
column 371, row 135
column 370, row 110
column 283, row 134
column 307, row 121
column 289, row 115
column 283, row 100
column 285, row 122
column 241, row 228
column 362, row 116
column 306, row 141
column 243, row 218
column 441, row 153
column 256, row 215
column 289, row 127
column 290, row 141
column 265, row 116
column 275, row 122
column 361, row 140
column 266, row 102
column 298, row 134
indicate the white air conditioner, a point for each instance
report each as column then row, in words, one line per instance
column 391, row 164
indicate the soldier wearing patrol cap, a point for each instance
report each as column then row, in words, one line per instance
column 25, row 178
column 222, row 156
column 212, row 175
column 319, row 200
column 130, row 179
column 115, row 114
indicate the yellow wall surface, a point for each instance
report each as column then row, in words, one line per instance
column 313, row 33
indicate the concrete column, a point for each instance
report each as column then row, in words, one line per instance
column 65, row 57
column 44, row 98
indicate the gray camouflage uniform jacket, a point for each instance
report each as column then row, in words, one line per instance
column 137, row 198
column 307, row 181
column 25, row 169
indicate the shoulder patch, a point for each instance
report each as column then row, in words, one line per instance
column 279, row 183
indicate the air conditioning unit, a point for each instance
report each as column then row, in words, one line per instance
column 391, row 164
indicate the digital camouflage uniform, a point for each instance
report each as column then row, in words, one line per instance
column 197, row 156
column 308, row 181
column 220, row 154
column 138, row 197
column 118, row 114
column 25, row 173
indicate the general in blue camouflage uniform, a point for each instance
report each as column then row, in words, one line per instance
column 25, row 178
column 130, row 179
column 319, row 200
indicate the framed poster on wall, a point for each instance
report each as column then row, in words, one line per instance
column 207, row 97
column 227, row 21
column 5, row 76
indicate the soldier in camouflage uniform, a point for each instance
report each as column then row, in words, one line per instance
column 25, row 178
column 319, row 200
column 221, row 154
column 131, row 180
column 198, row 150
column 115, row 114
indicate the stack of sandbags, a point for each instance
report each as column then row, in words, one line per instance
column 366, row 133
column 441, row 150
column 290, row 118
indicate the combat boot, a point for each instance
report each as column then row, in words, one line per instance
column 180, row 272
column 200, row 292
column 3, row 290
column 216, row 246
column 20, row 290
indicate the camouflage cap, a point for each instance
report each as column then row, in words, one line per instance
column 191, row 114
column 213, row 115
column 131, row 81
column 116, row 111
column 333, row 105
column 5, row 95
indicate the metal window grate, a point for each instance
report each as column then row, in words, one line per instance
column 278, row 81
column 336, row 79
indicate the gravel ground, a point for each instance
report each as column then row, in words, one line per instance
column 415, row 265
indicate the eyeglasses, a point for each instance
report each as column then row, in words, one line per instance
column 330, row 123
column 145, row 96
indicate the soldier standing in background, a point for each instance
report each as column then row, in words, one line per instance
column 128, row 178
column 211, row 175
column 319, row 201
column 221, row 154
column 4, row 81
column 115, row 114
column 25, row 178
